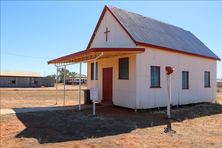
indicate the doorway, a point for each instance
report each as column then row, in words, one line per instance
column 107, row 85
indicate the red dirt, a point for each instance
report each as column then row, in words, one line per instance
column 198, row 125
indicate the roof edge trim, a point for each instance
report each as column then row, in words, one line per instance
column 174, row 50
column 102, row 49
column 96, row 28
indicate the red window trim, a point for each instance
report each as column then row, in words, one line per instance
column 188, row 84
column 208, row 79
column 155, row 87
column 92, row 71
column 159, row 77
column 128, row 69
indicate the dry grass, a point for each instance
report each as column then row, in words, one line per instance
column 24, row 99
column 200, row 126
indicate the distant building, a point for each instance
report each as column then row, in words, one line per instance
column 48, row 82
column 75, row 79
column 219, row 83
column 24, row 79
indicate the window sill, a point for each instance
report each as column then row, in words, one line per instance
column 123, row 79
column 185, row 89
column 155, row 87
column 207, row 87
column 93, row 79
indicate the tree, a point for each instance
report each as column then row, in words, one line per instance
column 61, row 74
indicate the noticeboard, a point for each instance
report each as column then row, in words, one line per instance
column 92, row 94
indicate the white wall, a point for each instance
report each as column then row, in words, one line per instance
column 157, row 97
column 124, row 91
column 117, row 37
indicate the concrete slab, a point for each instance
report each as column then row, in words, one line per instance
column 51, row 108
column 26, row 110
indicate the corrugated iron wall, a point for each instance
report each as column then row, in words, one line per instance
column 48, row 82
column 20, row 82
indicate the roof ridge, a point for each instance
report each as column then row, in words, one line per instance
column 17, row 71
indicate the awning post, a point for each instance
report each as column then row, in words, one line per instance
column 56, row 84
column 64, row 84
column 80, row 86
column 94, row 98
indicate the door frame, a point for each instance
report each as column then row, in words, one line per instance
column 105, row 101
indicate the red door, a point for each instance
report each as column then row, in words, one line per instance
column 107, row 85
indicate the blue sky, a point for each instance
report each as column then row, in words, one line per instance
column 39, row 31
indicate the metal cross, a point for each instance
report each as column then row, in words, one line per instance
column 107, row 31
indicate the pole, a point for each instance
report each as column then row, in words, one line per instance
column 64, row 84
column 80, row 87
column 56, row 84
column 169, row 96
column 94, row 87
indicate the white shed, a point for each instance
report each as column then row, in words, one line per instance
column 131, row 53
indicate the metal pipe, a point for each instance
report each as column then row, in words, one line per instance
column 64, row 84
column 80, row 88
column 94, row 96
column 94, row 105
column 56, row 84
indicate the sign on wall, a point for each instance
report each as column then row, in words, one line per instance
column 92, row 94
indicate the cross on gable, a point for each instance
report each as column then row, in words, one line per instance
column 107, row 31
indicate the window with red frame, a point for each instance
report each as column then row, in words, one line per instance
column 92, row 71
column 124, row 68
column 206, row 79
column 155, row 76
column 185, row 80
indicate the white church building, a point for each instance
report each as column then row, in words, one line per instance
column 131, row 52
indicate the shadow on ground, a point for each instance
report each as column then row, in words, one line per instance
column 69, row 125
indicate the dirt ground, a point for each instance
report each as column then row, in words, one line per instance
column 60, row 87
column 39, row 97
column 198, row 125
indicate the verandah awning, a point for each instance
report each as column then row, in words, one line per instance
column 90, row 54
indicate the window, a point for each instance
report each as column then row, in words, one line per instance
column 155, row 76
column 11, row 82
column 92, row 71
column 185, row 80
column 124, row 68
column 34, row 82
column 206, row 79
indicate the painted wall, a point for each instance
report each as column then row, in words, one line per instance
column 124, row 91
column 157, row 97
column 136, row 92
column 117, row 37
